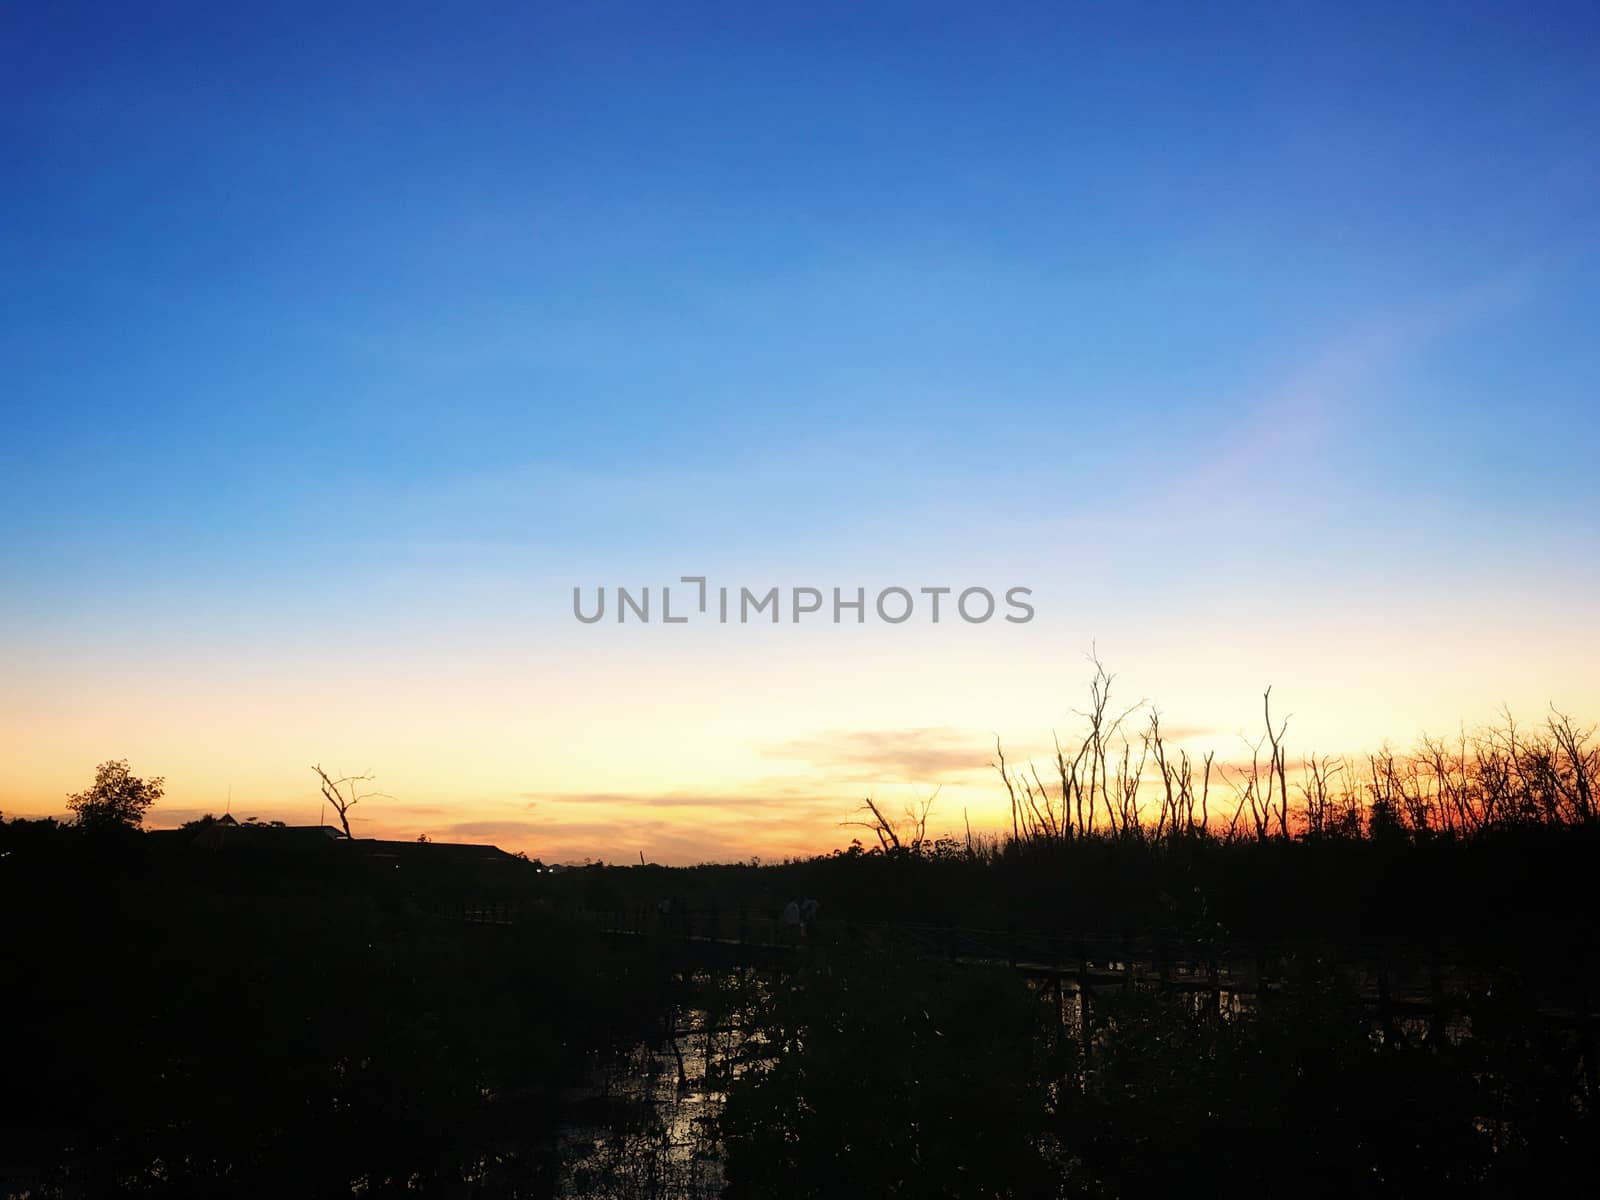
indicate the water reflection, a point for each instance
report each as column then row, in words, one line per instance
column 656, row 1139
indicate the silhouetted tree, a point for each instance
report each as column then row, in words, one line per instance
column 908, row 838
column 118, row 799
column 342, row 794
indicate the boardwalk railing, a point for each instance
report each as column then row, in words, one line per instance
column 1398, row 984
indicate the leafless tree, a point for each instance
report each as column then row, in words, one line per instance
column 1503, row 775
column 910, row 836
column 344, row 793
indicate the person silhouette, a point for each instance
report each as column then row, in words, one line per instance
column 791, row 921
column 808, row 916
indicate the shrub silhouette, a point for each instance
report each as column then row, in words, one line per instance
column 118, row 800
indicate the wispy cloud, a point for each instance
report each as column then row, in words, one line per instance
column 666, row 839
column 1310, row 413
column 758, row 798
column 917, row 755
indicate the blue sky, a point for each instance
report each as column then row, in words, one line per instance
column 339, row 316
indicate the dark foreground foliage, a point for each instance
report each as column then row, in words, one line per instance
column 231, row 1025
column 1522, row 892
column 881, row 1074
column 253, row 1022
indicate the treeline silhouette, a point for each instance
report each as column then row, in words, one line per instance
column 1485, row 842
column 1501, row 776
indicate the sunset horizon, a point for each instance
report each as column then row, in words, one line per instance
column 616, row 601
column 810, row 795
column 1252, row 351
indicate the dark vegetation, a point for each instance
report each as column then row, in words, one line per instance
column 879, row 1072
column 256, row 1022
column 192, row 1021
column 1528, row 892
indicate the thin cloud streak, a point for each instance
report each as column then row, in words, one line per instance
column 917, row 755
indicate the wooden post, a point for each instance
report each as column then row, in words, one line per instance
column 1386, row 1005
column 1586, row 1044
column 1085, row 1034
column 1437, row 1023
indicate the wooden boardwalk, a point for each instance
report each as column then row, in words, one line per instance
column 1409, row 994
column 1397, row 984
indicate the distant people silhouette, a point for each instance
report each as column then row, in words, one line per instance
column 791, row 921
